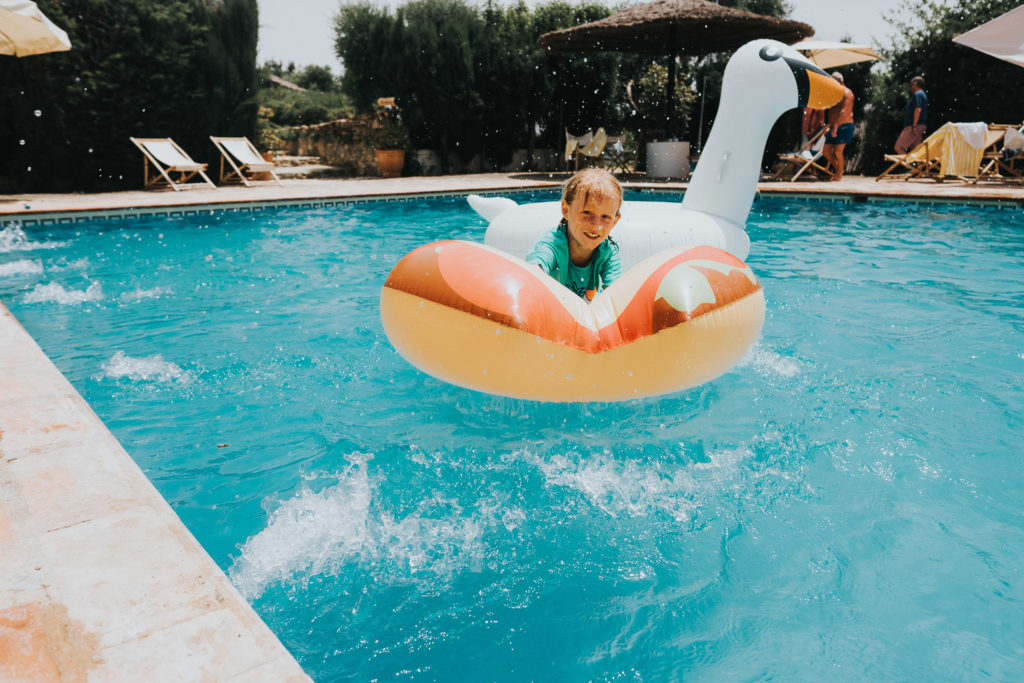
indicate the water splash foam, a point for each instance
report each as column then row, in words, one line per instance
column 56, row 293
column 637, row 489
column 320, row 532
column 138, row 294
column 149, row 368
column 14, row 238
column 769, row 363
column 21, row 267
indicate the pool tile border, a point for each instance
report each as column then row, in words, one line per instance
column 85, row 216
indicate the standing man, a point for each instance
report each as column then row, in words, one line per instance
column 915, row 117
column 840, row 130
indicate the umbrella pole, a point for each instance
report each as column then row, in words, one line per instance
column 700, row 128
column 670, row 86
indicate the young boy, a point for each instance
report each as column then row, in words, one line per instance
column 578, row 252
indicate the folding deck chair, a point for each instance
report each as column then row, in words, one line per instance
column 589, row 145
column 168, row 158
column 244, row 160
column 1005, row 161
column 921, row 162
column 808, row 158
column 618, row 156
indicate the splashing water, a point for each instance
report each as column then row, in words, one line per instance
column 55, row 292
column 21, row 267
column 149, row 368
column 140, row 294
column 13, row 238
column 323, row 532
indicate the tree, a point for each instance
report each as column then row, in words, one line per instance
column 953, row 73
column 316, row 77
column 184, row 69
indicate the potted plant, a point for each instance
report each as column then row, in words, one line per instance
column 390, row 138
column 666, row 155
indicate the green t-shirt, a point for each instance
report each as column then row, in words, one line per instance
column 551, row 253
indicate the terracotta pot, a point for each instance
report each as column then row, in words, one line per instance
column 390, row 162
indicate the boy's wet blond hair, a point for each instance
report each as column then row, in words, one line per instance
column 595, row 182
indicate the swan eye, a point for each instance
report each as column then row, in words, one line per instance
column 770, row 53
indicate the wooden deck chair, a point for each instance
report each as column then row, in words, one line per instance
column 589, row 145
column 574, row 142
column 923, row 161
column 167, row 158
column 962, row 160
column 1005, row 161
column 808, row 158
column 619, row 156
column 244, row 160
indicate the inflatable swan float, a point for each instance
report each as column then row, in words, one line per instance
column 685, row 310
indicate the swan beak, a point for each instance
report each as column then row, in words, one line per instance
column 815, row 88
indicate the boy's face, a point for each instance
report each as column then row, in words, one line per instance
column 590, row 218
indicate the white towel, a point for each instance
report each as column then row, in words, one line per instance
column 1013, row 140
column 973, row 133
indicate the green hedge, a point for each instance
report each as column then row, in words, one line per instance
column 184, row 69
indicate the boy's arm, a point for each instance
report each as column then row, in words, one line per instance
column 542, row 254
column 612, row 268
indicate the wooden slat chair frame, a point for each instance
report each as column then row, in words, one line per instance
column 923, row 161
column 241, row 170
column 619, row 157
column 163, row 171
column 799, row 159
column 995, row 167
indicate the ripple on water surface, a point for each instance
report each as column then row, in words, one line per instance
column 843, row 504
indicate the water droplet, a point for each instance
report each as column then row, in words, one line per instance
column 90, row 150
column 29, row 169
column 21, row 142
column 38, row 113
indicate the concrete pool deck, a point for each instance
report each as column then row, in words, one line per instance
column 101, row 580
column 858, row 188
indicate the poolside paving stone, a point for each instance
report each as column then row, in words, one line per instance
column 101, row 580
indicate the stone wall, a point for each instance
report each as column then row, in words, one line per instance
column 344, row 144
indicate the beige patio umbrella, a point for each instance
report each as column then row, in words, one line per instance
column 828, row 55
column 25, row 30
column 1003, row 37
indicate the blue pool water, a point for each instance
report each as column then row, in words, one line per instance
column 846, row 504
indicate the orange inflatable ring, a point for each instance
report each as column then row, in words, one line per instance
column 479, row 318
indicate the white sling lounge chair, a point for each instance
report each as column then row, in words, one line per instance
column 244, row 160
column 168, row 158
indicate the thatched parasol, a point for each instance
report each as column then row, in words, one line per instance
column 672, row 28
column 679, row 27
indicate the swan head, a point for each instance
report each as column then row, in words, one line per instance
column 778, row 77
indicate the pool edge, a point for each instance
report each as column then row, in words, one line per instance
column 102, row 580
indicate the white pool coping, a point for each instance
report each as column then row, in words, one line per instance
column 99, row 578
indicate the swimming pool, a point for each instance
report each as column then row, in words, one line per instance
column 844, row 504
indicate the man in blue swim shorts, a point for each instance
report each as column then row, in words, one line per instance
column 840, row 130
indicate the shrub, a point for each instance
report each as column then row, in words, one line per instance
column 183, row 69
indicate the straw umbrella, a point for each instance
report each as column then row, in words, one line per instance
column 673, row 28
column 25, row 30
